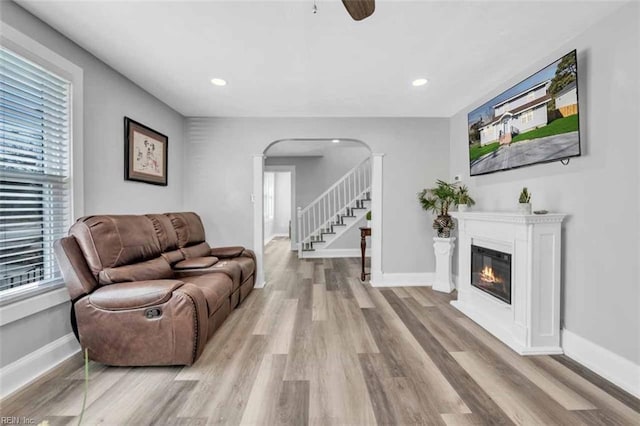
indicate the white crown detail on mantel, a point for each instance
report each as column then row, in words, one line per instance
column 510, row 217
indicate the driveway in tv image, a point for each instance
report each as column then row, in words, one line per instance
column 528, row 152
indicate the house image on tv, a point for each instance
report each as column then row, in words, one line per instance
column 567, row 100
column 525, row 111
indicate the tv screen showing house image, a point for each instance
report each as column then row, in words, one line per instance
column 535, row 121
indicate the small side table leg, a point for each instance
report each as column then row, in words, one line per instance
column 363, row 248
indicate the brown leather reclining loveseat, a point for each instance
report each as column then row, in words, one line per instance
column 148, row 290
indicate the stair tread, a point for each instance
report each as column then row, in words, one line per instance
column 328, row 232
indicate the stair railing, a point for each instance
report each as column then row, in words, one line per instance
column 329, row 207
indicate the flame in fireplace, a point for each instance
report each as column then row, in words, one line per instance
column 488, row 276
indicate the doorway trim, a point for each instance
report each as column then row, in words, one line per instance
column 376, row 212
column 292, row 170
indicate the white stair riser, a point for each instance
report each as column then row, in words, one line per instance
column 324, row 246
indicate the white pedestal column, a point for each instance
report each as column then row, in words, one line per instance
column 444, row 253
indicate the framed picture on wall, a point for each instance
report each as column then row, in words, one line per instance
column 145, row 154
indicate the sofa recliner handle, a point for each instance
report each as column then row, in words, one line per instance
column 152, row 313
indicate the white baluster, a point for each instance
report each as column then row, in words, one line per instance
column 333, row 210
column 324, row 216
column 330, row 210
column 346, row 193
column 299, row 231
column 349, row 196
column 366, row 175
column 353, row 185
column 337, row 198
column 355, row 194
column 348, row 182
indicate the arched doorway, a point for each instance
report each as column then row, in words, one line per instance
column 258, row 203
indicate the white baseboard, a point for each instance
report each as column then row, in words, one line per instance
column 332, row 253
column 28, row 368
column 607, row 364
column 411, row 279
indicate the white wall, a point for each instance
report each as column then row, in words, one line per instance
column 108, row 97
column 283, row 203
column 268, row 184
column 600, row 192
column 308, row 170
column 278, row 225
column 314, row 175
column 221, row 150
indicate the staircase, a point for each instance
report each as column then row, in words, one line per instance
column 335, row 211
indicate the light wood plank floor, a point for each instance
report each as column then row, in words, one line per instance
column 317, row 346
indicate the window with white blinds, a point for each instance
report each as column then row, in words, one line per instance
column 35, row 194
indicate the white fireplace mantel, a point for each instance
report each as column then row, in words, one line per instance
column 530, row 325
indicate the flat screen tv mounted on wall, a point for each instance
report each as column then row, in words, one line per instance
column 535, row 121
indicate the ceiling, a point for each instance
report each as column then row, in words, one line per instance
column 309, row 147
column 280, row 59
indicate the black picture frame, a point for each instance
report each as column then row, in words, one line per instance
column 145, row 154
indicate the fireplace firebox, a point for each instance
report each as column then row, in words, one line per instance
column 491, row 272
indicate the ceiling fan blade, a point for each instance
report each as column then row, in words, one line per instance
column 360, row 9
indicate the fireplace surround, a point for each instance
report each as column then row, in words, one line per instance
column 530, row 323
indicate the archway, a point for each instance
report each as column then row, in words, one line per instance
column 376, row 207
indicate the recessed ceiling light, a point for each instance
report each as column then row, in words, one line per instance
column 335, row 140
column 218, row 82
column 420, row 82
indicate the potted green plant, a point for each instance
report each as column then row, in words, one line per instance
column 368, row 217
column 463, row 199
column 525, row 201
column 438, row 200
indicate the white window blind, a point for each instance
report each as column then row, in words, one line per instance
column 35, row 196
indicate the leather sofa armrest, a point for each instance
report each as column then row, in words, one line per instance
column 133, row 295
column 174, row 334
column 249, row 253
column 227, row 252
